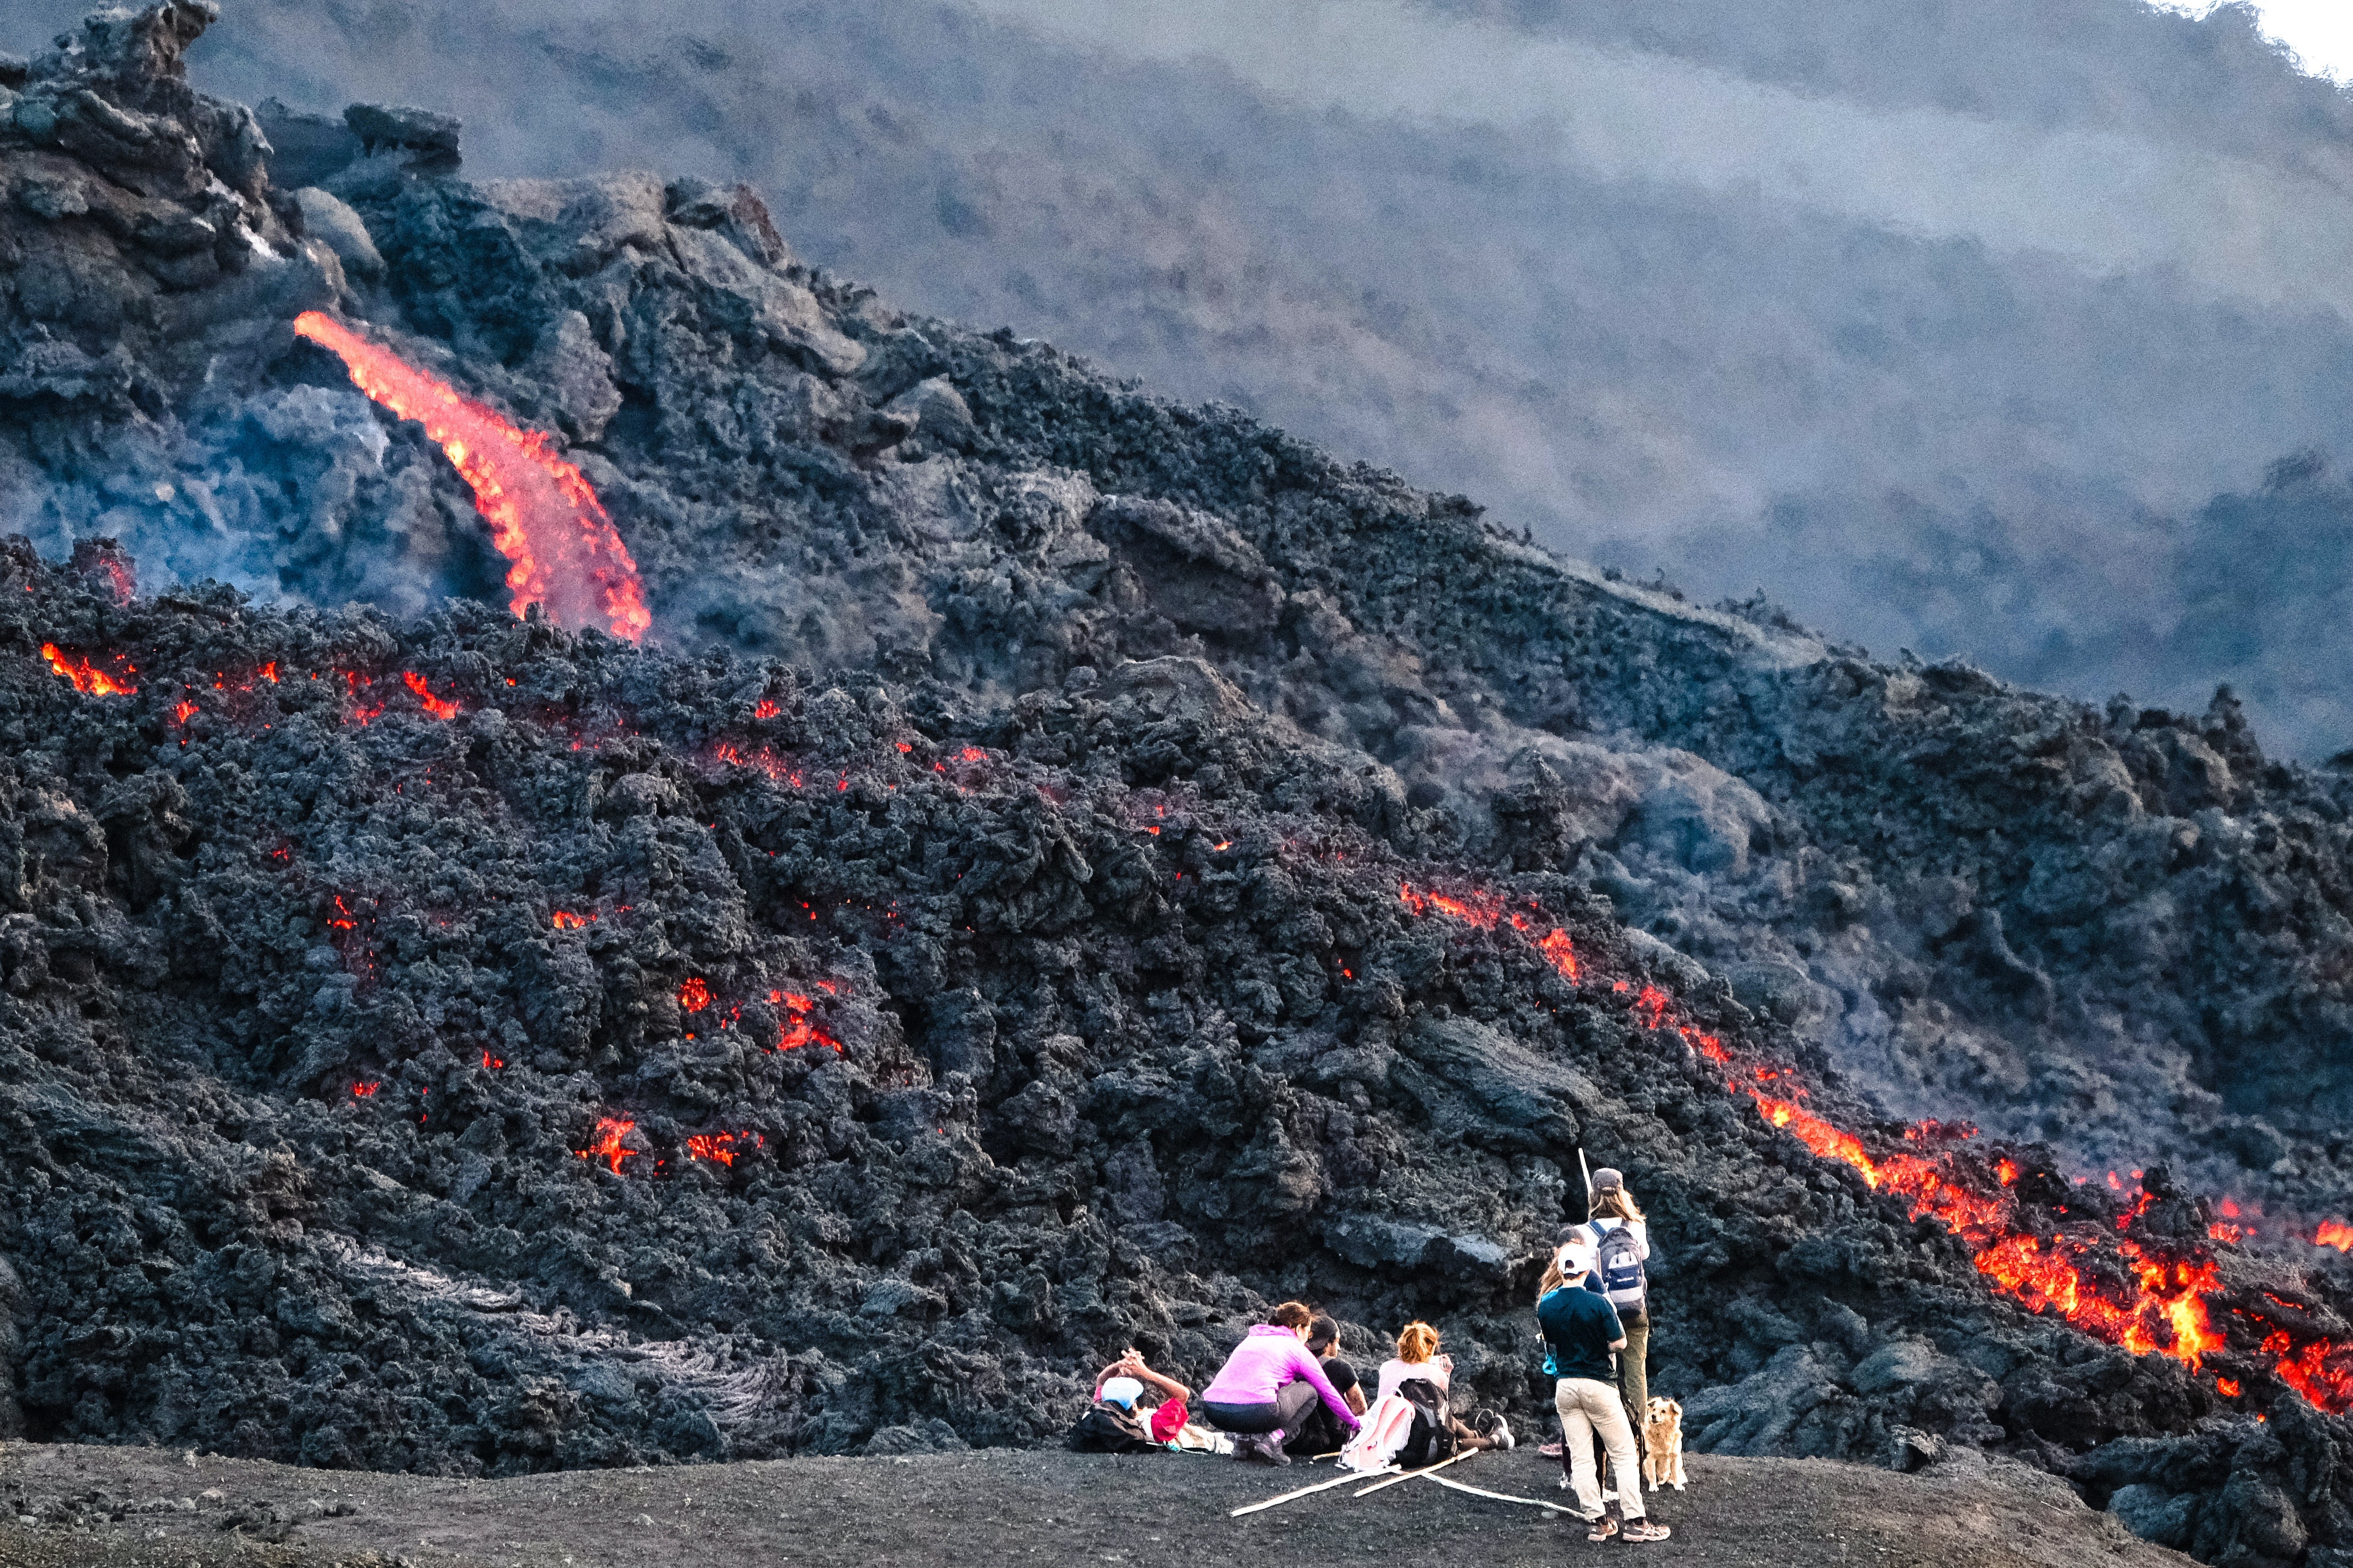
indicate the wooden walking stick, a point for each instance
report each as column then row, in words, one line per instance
column 1300, row 1492
column 1408, row 1475
column 1500, row 1497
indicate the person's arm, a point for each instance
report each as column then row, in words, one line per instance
column 1619, row 1344
column 1356, row 1399
column 1308, row 1367
column 1167, row 1385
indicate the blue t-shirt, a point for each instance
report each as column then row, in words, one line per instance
column 1579, row 1326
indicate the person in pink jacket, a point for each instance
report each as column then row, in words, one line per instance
column 1268, row 1385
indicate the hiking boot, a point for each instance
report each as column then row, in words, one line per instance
column 1603, row 1528
column 1268, row 1446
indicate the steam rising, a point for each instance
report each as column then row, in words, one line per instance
column 1940, row 323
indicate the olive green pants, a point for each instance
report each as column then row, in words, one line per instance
column 1635, row 1377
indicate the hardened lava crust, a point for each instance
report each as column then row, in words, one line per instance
column 1060, row 871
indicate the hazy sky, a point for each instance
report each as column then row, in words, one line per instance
column 2103, row 201
column 2319, row 31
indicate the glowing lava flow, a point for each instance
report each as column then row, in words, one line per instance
column 437, row 707
column 564, row 553
column 798, row 1031
column 2167, row 1302
column 85, row 676
column 721, row 1148
column 607, row 1146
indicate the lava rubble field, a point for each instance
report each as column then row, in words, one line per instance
column 843, row 869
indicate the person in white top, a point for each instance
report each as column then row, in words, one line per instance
column 1418, row 1357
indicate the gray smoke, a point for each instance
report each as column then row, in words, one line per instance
column 1945, row 325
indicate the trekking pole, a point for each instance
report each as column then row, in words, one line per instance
column 1302, row 1491
column 1501, row 1497
column 1410, row 1475
column 1587, row 1171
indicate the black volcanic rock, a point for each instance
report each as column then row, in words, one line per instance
column 1059, row 756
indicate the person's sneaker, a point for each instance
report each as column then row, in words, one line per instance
column 1550, row 1450
column 1641, row 1531
column 1490, row 1424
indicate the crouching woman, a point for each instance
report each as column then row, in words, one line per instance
column 1582, row 1333
column 1269, row 1386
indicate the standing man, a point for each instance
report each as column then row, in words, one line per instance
column 1581, row 1332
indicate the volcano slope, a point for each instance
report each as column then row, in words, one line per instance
column 1064, row 872
column 2121, row 931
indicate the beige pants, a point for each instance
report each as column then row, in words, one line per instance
column 1589, row 1409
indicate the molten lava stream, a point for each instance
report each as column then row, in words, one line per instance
column 544, row 518
column 2167, row 1305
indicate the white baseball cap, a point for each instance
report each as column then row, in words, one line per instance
column 1123, row 1390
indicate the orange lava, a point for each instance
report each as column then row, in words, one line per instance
column 567, row 920
column 607, row 1146
column 694, row 995
column 1475, row 910
column 87, row 677
column 438, row 707
column 797, row 1030
column 778, row 770
column 2163, row 1310
column 1560, row 953
column 721, row 1148
column 563, row 550
column 2166, row 1316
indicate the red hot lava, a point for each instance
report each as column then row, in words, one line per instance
column 2168, row 1305
column 607, row 1145
column 563, row 553
column 798, row 1031
column 85, row 676
column 440, row 707
column 722, row 1148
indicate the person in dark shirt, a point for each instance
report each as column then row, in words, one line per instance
column 1321, row 1433
column 1581, row 1335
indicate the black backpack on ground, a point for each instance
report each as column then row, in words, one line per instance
column 1432, row 1437
column 1111, row 1428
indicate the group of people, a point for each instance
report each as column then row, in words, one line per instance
column 1285, row 1390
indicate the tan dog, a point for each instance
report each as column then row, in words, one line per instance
column 1662, row 1445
